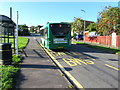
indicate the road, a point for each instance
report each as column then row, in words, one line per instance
column 91, row 68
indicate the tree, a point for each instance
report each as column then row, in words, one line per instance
column 77, row 25
column 23, row 30
column 35, row 29
column 92, row 27
column 109, row 21
column 32, row 28
column 38, row 28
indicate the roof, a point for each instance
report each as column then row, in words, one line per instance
column 6, row 21
column 4, row 18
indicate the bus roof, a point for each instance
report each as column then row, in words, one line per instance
column 56, row 23
column 59, row 23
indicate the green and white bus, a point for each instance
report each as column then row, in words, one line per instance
column 56, row 36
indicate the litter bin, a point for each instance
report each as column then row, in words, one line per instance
column 5, row 54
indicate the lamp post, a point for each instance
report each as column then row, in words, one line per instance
column 84, row 26
column 84, row 20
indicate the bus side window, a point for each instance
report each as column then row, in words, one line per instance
column 41, row 32
column 45, row 33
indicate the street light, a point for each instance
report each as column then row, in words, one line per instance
column 84, row 20
column 84, row 25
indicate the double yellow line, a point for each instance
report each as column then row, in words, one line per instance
column 77, row 84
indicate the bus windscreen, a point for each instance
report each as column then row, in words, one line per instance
column 60, row 29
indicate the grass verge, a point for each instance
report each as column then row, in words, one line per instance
column 112, row 50
column 9, row 72
column 22, row 42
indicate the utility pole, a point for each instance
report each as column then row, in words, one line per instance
column 16, row 36
column 11, row 13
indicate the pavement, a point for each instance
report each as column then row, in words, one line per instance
column 38, row 70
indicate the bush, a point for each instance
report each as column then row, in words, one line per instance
column 74, row 34
column 8, row 74
column 16, row 59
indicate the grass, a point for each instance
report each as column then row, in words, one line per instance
column 112, row 50
column 9, row 72
column 22, row 42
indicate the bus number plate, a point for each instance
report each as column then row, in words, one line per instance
column 60, row 40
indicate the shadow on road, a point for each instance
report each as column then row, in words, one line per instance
column 39, row 66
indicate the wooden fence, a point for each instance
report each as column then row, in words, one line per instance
column 105, row 40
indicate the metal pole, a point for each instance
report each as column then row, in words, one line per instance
column 84, row 23
column 11, row 13
column 16, row 36
column 84, row 19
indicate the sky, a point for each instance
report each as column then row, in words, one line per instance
column 39, row 13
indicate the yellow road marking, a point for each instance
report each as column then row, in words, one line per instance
column 78, row 85
column 76, row 61
column 62, row 54
column 89, row 62
column 91, row 58
column 74, row 53
column 111, row 67
column 74, row 80
column 70, row 61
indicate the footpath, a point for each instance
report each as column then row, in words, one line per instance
column 38, row 70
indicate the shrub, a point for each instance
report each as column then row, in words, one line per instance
column 8, row 74
column 16, row 59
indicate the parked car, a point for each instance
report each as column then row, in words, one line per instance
column 79, row 37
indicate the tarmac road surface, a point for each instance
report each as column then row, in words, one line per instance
column 91, row 68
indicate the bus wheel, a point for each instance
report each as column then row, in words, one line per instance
column 44, row 43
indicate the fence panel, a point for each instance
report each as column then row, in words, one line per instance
column 118, row 41
column 105, row 40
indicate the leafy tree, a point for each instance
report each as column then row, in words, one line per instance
column 77, row 25
column 38, row 28
column 92, row 27
column 32, row 28
column 109, row 21
column 23, row 30
column 35, row 28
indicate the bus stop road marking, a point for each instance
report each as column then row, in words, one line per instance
column 77, row 84
column 68, row 53
column 111, row 67
column 76, row 61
